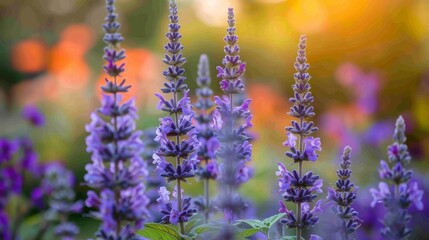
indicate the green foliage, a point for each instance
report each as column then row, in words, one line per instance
column 290, row 238
column 260, row 226
column 157, row 231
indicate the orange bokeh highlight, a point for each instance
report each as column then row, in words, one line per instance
column 141, row 72
column 67, row 58
column 269, row 108
column 29, row 56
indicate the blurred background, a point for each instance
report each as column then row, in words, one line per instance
column 369, row 63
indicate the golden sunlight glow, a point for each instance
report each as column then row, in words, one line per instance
column 307, row 16
column 214, row 12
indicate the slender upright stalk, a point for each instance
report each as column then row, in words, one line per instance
column 182, row 150
column 178, row 181
column 117, row 191
column 343, row 193
column 117, row 170
column 207, row 199
column 296, row 186
column 232, row 123
column 298, row 206
column 207, row 169
column 394, row 174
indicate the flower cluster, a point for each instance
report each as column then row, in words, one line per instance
column 231, row 123
column 344, row 194
column 10, row 183
column 208, row 142
column 117, row 170
column 171, row 214
column 179, row 126
column 397, row 191
column 153, row 181
column 58, row 186
column 295, row 186
column 18, row 163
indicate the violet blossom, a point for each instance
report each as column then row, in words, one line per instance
column 176, row 134
column 344, row 194
column 57, row 186
column 231, row 123
column 207, row 169
column 17, row 158
column 296, row 186
column 33, row 115
column 117, row 170
column 397, row 190
column 153, row 181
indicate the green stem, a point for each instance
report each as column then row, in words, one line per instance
column 298, row 206
column 229, row 188
column 179, row 186
column 116, row 190
column 207, row 198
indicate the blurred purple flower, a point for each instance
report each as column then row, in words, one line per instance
column 7, row 149
column 57, row 186
column 365, row 86
column 231, row 123
column 405, row 193
column 5, row 233
column 33, row 115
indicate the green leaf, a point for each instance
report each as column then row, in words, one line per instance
column 190, row 225
column 208, row 227
column 157, row 231
column 269, row 222
column 246, row 233
column 290, row 238
column 253, row 223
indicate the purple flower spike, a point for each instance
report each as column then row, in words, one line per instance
column 231, row 125
column 207, row 169
column 397, row 190
column 295, row 186
column 7, row 149
column 176, row 135
column 33, row 115
column 57, row 186
column 117, row 170
column 344, row 194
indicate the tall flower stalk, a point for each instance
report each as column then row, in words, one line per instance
column 208, row 142
column 344, row 194
column 184, row 144
column 295, row 186
column 18, row 157
column 117, row 170
column 57, row 186
column 231, row 123
column 397, row 191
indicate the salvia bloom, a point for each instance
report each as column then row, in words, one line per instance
column 10, row 183
column 397, row 191
column 58, row 186
column 117, row 170
column 231, row 123
column 208, row 142
column 295, row 186
column 17, row 158
column 176, row 134
column 344, row 194
column 33, row 115
column 153, row 181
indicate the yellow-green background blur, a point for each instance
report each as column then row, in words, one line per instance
column 369, row 63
